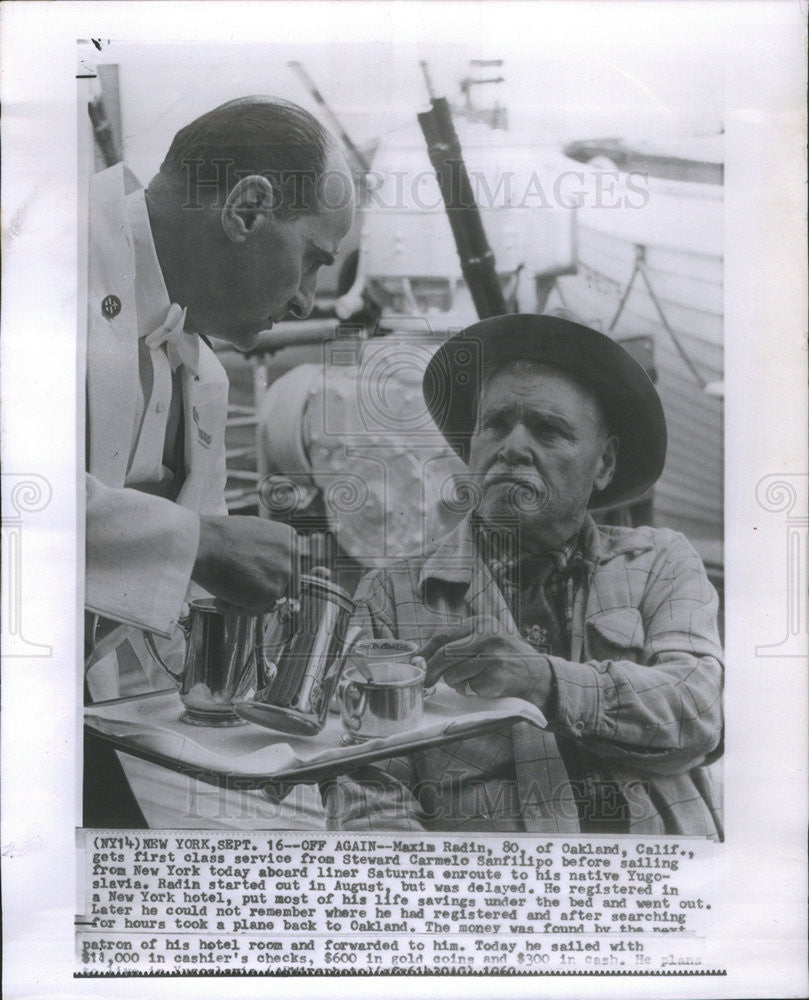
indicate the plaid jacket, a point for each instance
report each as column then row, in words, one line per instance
column 640, row 695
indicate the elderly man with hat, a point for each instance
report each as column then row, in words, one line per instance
column 610, row 631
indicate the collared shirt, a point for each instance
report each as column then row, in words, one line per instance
column 639, row 693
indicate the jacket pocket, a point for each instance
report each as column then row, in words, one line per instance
column 615, row 634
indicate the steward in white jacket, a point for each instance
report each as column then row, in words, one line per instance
column 250, row 201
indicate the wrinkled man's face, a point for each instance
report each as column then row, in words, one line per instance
column 539, row 451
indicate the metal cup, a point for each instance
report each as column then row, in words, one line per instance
column 390, row 702
column 219, row 666
column 369, row 651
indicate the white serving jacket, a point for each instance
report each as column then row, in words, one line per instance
column 140, row 547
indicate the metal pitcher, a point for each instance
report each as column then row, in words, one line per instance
column 219, row 665
column 300, row 651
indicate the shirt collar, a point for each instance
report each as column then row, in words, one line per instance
column 504, row 565
column 455, row 556
column 151, row 295
column 562, row 556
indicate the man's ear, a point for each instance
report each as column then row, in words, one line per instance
column 606, row 469
column 248, row 208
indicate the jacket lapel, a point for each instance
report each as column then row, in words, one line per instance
column 112, row 331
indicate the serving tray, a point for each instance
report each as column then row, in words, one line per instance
column 253, row 757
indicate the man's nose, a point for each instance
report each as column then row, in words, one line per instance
column 302, row 302
column 515, row 448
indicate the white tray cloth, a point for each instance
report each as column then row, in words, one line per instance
column 151, row 724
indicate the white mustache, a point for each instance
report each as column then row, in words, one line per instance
column 527, row 490
column 519, row 474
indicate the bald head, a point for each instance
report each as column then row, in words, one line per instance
column 252, row 136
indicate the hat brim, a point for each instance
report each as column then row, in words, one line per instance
column 631, row 405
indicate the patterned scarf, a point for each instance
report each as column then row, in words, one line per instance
column 539, row 590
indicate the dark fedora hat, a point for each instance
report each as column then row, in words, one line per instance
column 454, row 378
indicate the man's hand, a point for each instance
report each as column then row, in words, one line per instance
column 246, row 561
column 476, row 656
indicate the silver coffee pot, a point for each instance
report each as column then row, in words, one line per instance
column 301, row 648
column 278, row 669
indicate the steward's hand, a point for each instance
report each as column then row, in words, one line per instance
column 246, row 561
column 478, row 657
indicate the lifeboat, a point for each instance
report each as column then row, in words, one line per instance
column 649, row 272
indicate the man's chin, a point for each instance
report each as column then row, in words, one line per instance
column 242, row 340
column 250, row 340
column 496, row 513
